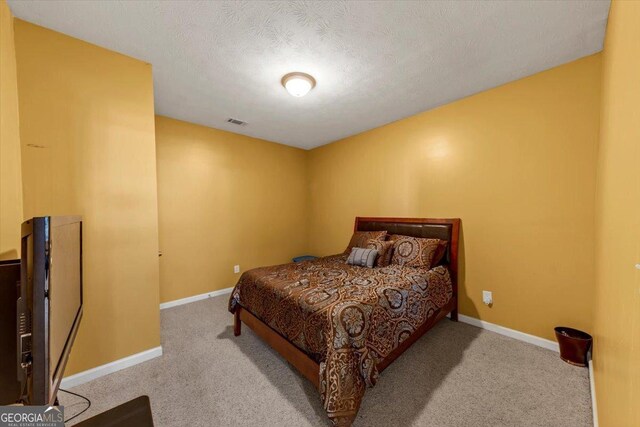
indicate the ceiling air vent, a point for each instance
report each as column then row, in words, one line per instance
column 236, row 122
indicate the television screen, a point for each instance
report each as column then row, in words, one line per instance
column 50, row 305
column 9, row 281
column 65, row 292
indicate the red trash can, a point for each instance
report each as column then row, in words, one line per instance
column 574, row 345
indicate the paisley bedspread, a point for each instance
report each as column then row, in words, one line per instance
column 345, row 317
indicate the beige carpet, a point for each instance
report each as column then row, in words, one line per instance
column 456, row 375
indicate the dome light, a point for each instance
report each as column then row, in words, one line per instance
column 298, row 84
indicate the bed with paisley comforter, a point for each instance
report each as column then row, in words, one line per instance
column 346, row 322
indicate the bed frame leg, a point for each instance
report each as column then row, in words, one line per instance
column 454, row 315
column 237, row 323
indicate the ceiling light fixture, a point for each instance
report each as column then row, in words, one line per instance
column 298, row 84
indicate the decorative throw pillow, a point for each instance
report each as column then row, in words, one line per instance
column 362, row 257
column 385, row 250
column 360, row 239
column 414, row 251
column 440, row 252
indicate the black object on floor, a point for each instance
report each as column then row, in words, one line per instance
column 134, row 413
column 574, row 345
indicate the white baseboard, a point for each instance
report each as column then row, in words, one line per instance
column 512, row 333
column 116, row 365
column 592, row 386
column 195, row 298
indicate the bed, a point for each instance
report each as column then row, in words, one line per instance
column 341, row 325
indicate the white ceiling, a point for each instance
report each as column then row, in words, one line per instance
column 375, row 62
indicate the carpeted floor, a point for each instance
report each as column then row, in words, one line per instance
column 456, row 375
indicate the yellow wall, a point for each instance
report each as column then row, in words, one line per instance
column 89, row 112
column 617, row 304
column 516, row 163
column 10, row 171
column 224, row 199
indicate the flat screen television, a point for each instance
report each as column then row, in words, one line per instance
column 49, row 307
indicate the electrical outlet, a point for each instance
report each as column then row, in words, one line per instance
column 236, row 269
column 487, row 297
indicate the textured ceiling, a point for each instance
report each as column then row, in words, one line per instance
column 375, row 62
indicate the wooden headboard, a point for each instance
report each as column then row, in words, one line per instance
column 434, row 228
